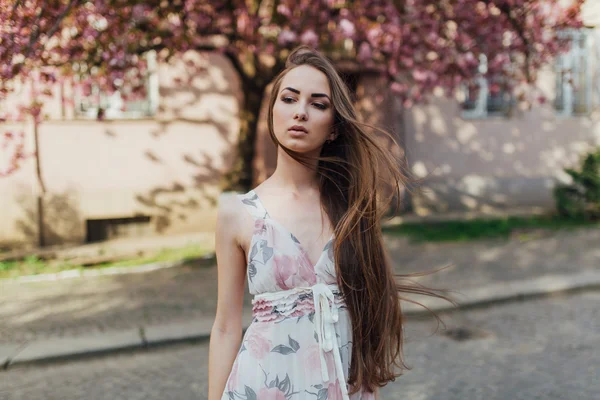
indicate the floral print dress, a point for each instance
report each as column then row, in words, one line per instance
column 299, row 343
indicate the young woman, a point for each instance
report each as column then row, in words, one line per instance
column 327, row 322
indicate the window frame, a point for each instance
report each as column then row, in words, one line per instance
column 569, row 61
column 115, row 113
column 481, row 109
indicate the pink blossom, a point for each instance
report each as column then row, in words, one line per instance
column 284, row 10
column 419, row 75
column 397, row 38
column 309, row 37
column 347, row 28
column 287, row 37
column 364, row 52
column 138, row 12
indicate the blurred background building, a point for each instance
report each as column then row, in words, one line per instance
column 152, row 166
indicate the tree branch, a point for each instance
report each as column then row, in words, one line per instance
column 53, row 30
column 12, row 15
column 507, row 11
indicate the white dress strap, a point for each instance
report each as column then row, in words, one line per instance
column 253, row 205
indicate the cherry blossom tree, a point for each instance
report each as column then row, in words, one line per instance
column 417, row 44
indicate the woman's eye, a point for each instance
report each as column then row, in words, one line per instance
column 287, row 99
column 320, row 106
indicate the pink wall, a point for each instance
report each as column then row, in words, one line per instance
column 167, row 167
column 493, row 163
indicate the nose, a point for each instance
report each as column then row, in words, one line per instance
column 301, row 114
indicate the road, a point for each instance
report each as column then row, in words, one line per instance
column 539, row 349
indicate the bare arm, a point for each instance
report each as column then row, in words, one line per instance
column 226, row 334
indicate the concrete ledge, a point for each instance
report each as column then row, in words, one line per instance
column 510, row 291
column 171, row 333
column 8, row 351
column 185, row 331
column 73, row 347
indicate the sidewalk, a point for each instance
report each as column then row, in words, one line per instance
column 113, row 249
column 68, row 318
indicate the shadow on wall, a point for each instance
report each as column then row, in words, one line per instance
column 167, row 168
column 495, row 163
column 200, row 92
column 62, row 217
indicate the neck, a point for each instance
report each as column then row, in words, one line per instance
column 293, row 175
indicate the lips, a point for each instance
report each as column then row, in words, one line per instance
column 298, row 129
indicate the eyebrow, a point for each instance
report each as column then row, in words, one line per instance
column 312, row 95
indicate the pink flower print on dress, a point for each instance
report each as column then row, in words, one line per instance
column 257, row 342
column 259, row 226
column 312, row 364
column 284, row 270
column 271, row 394
column 334, row 391
column 306, row 269
column 272, row 235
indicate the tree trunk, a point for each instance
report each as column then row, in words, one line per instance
column 406, row 201
column 41, row 192
column 240, row 177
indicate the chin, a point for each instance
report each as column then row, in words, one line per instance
column 300, row 146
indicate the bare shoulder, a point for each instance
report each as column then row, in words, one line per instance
column 229, row 206
column 265, row 187
column 228, row 215
column 234, row 224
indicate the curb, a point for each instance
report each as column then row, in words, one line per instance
column 143, row 338
column 504, row 292
column 134, row 339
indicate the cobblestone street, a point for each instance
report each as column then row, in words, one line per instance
column 539, row 349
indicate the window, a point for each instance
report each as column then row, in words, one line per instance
column 488, row 95
column 574, row 75
column 99, row 105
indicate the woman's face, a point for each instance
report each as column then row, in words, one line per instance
column 303, row 112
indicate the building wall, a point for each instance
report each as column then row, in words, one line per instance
column 501, row 162
column 166, row 168
column 495, row 163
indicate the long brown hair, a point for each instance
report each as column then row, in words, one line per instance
column 359, row 178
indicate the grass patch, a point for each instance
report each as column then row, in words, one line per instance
column 32, row 265
column 476, row 229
